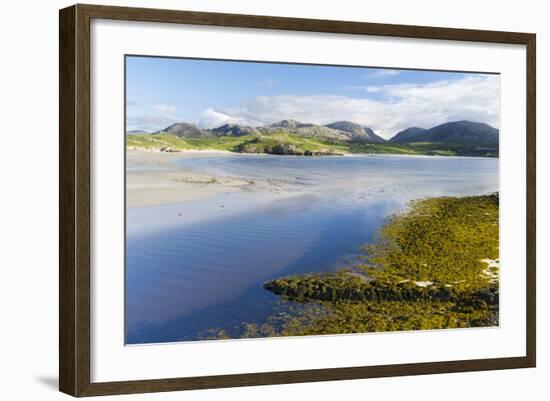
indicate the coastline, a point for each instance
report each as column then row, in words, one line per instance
column 131, row 149
column 312, row 207
column 175, row 151
column 162, row 194
column 401, row 284
column 153, row 179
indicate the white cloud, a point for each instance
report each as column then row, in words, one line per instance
column 383, row 73
column 213, row 118
column 396, row 107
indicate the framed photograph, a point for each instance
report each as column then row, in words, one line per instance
column 249, row 200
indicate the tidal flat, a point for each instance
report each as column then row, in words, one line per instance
column 426, row 270
column 206, row 232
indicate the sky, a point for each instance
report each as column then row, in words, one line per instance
column 210, row 93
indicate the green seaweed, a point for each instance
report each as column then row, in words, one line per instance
column 425, row 270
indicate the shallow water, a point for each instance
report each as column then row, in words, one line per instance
column 183, row 278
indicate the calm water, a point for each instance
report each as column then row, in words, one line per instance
column 185, row 278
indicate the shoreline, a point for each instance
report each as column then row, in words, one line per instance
column 161, row 194
column 219, row 209
column 444, row 292
column 343, row 154
column 165, row 189
column 176, row 151
column 152, row 179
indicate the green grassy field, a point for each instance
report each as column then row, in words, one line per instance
column 156, row 141
column 284, row 143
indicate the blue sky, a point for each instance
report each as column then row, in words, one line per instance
column 209, row 93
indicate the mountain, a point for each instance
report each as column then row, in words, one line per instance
column 286, row 125
column 408, row 135
column 305, row 130
column 342, row 131
column 358, row 132
column 457, row 132
column 234, row 130
column 466, row 132
column 186, row 130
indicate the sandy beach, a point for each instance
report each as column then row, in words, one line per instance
column 153, row 179
column 165, row 189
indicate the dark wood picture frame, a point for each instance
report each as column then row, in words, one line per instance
column 74, row 202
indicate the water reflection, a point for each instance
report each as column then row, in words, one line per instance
column 181, row 281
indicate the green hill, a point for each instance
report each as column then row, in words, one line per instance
column 456, row 132
column 289, row 137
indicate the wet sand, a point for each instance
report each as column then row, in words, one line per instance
column 153, row 179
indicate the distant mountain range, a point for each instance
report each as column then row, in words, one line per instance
column 456, row 132
column 459, row 132
column 345, row 131
column 235, row 130
column 186, row 130
column 356, row 131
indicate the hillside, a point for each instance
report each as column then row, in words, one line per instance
column 408, row 135
column 234, row 130
column 456, row 132
column 186, row 130
column 356, row 131
column 291, row 137
column 286, row 144
column 341, row 131
column 161, row 142
column 305, row 130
